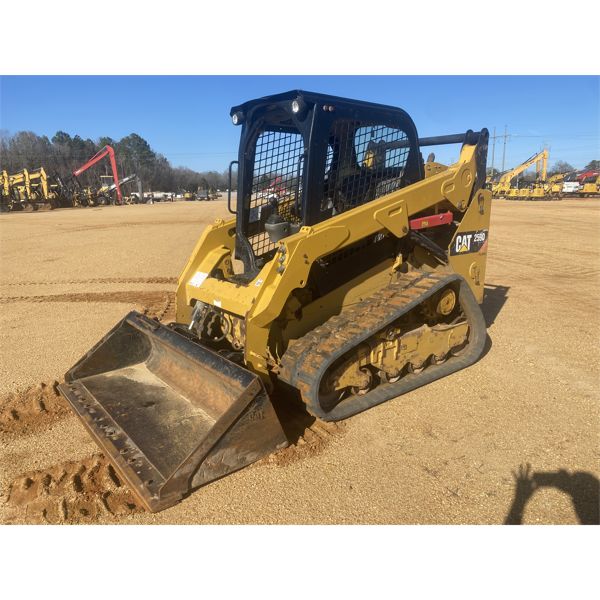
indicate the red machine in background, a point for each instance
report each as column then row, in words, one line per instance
column 106, row 151
column 587, row 176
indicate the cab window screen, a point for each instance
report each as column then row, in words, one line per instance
column 364, row 161
column 276, row 183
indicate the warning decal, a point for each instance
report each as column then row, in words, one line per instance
column 198, row 279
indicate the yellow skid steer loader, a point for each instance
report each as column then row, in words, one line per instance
column 350, row 273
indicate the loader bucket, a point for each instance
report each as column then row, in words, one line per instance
column 170, row 414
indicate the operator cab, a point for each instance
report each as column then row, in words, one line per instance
column 305, row 157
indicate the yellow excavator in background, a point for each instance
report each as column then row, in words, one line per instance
column 5, row 191
column 501, row 188
column 349, row 273
column 590, row 186
column 20, row 190
column 554, row 185
column 33, row 190
column 48, row 192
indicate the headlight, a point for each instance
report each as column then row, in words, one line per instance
column 237, row 118
column 298, row 105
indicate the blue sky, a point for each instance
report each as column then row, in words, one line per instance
column 187, row 118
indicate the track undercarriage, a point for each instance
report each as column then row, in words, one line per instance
column 420, row 328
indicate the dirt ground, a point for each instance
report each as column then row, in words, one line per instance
column 455, row 451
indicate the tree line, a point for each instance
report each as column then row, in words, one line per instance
column 63, row 153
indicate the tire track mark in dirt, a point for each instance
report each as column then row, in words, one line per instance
column 147, row 298
column 159, row 304
column 166, row 311
column 307, row 435
column 80, row 491
column 121, row 224
column 311, row 442
column 89, row 490
column 172, row 280
column 30, row 410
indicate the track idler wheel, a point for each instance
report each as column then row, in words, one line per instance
column 368, row 385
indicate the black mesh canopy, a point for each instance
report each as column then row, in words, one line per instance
column 305, row 157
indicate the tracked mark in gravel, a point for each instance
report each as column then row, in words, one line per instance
column 90, row 297
column 30, row 410
column 311, row 442
column 159, row 304
column 307, row 436
column 121, row 224
column 80, row 491
column 172, row 280
column 167, row 313
column 150, row 298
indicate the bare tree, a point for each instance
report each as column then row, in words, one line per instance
column 561, row 167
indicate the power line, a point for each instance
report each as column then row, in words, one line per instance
column 504, row 148
column 493, row 148
column 557, row 135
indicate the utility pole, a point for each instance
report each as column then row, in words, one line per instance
column 504, row 149
column 493, row 150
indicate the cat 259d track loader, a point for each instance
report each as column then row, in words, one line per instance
column 357, row 277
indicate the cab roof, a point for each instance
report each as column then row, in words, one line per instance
column 313, row 98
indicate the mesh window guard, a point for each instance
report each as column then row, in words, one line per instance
column 276, row 183
column 362, row 163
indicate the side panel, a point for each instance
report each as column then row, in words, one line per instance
column 467, row 252
column 215, row 244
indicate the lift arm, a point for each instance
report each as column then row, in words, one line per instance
column 106, row 151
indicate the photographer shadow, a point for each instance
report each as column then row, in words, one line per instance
column 583, row 487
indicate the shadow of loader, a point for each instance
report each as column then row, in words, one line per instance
column 494, row 298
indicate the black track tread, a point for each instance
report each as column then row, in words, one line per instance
column 307, row 359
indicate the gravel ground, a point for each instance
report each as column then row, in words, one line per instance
column 446, row 453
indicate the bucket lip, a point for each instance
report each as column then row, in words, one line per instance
column 155, row 490
column 143, row 478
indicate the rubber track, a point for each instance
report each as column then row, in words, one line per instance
column 307, row 360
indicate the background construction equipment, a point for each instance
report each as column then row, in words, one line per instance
column 101, row 196
column 538, row 190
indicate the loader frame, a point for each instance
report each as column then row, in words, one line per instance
column 351, row 256
column 258, row 300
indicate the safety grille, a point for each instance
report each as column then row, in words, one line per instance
column 364, row 162
column 276, row 183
